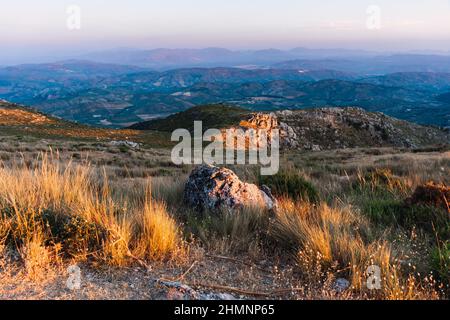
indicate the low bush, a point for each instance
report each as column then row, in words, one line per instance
column 291, row 184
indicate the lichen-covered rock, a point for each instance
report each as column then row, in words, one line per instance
column 214, row 189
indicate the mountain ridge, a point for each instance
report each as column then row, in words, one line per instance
column 314, row 129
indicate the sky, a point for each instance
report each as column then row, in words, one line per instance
column 45, row 28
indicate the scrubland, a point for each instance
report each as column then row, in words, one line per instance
column 117, row 213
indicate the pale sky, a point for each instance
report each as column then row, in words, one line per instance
column 41, row 26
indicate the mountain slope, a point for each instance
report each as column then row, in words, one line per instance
column 212, row 116
column 118, row 96
column 322, row 128
column 435, row 82
column 20, row 120
column 411, row 105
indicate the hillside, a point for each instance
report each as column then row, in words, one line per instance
column 315, row 129
column 430, row 81
column 407, row 104
column 212, row 116
column 336, row 128
column 22, row 121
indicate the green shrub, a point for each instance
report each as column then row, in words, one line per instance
column 290, row 184
column 389, row 211
column 76, row 234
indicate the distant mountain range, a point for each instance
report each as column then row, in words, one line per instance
column 164, row 59
column 354, row 61
column 119, row 95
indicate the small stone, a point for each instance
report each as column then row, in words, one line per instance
column 341, row 284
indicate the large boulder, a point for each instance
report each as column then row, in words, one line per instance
column 214, row 189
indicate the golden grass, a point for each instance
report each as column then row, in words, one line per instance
column 158, row 234
column 337, row 242
column 45, row 207
column 38, row 259
column 22, row 117
column 52, row 208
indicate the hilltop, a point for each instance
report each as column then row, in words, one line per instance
column 317, row 129
column 129, row 204
column 310, row 129
column 213, row 116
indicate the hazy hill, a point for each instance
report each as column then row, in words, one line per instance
column 432, row 81
column 70, row 69
column 164, row 59
column 373, row 65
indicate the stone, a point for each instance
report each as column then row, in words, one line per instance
column 130, row 144
column 341, row 284
column 213, row 189
column 185, row 292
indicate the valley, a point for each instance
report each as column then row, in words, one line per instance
column 115, row 96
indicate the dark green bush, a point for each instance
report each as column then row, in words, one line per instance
column 389, row 211
column 290, row 184
column 76, row 234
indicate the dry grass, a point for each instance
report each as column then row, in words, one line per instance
column 125, row 210
column 48, row 207
column 158, row 233
column 21, row 117
column 338, row 242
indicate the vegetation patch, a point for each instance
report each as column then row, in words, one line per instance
column 290, row 183
column 431, row 194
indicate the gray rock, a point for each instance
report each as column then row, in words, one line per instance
column 130, row 144
column 214, row 189
column 341, row 284
column 185, row 292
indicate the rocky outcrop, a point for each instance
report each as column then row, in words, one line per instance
column 350, row 127
column 213, row 189
column 268, row 123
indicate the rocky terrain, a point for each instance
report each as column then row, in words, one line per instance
column 336, row 128
column 312, row 129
